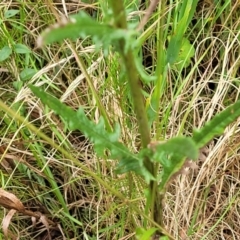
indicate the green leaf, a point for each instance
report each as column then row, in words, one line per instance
column 97, row 134
column 82, row 25
column 192, row 10
column 172, row 155
column 143, row 234
column 145, row 77
column 179, row 146
column 21, row 48
column 217, row 125
column 77, row 120
column 10, row 13
column 164, row 238
column 17, row 85
column 5, row 52
column 27, row 73
column 185, row 54
column 176, row 40
column 136, row 165
column 174, row 48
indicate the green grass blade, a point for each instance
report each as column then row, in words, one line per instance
column 177, row 37
column 216, row 126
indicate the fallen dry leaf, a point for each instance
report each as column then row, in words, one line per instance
column 10, row 201
column 5, row 224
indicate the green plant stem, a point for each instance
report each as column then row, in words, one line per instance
column 133, row 78
column 139, row 106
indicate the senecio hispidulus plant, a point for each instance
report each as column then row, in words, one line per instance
column 156, row 162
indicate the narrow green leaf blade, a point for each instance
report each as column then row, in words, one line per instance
column 217, row 125
column 174, row 48
column 192, row 10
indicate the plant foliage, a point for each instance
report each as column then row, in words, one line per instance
column 97, row 134
column 172, row 155
column 217, row 125
column 81, row 25
column 185, row 15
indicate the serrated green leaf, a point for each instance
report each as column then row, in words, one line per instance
column 217, row 125
column 179, row 146
column 21, row 48
column 172, row 155
column 5, row 52
column 97, row 134
column 77, row 120
column 82, row 25
column 136, row 165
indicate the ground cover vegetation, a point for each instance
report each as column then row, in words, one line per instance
column 119, row 119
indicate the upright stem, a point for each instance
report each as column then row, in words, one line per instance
column 139, row 106
column 132, row 75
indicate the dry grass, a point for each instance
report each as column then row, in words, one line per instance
column 205, row 204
